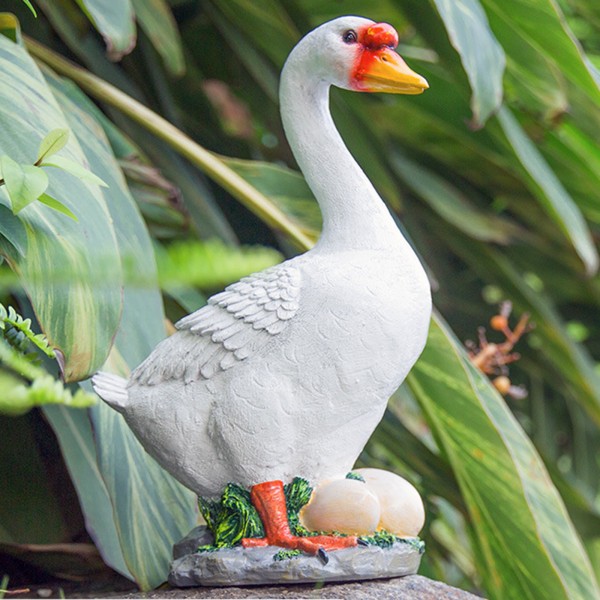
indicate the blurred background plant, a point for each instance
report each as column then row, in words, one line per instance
column 494, row 174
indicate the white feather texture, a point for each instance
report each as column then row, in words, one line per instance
column 287, row 372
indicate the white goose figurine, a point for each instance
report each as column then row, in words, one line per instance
column 287, row 372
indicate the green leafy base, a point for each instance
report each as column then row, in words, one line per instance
column 24, row 381
column 286, row 555
column 233, row 517
column 385, row 539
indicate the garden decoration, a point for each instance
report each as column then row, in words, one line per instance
column 282, row 378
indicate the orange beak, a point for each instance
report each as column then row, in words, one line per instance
column 383, row 70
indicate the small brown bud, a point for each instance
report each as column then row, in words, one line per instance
column 499, row 322
column 502, row 384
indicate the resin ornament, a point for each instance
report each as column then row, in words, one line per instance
column 366, row 501
column 343, row 505
column 400, row 505
column 283, row 377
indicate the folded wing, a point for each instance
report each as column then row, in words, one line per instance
column 232, row 327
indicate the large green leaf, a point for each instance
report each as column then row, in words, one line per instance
column 151, row 510
column 527, row 544
column 267, row 24
column 550, row 191
column 481, row 54
column 70, row 270
column 115, row 22
column 452, row 205
column 156, row 20
column 318, row 12
column 10, row 27
column 76, row 439
column 575, row 158
column 542, row 24
column 13, row 230
column 284, row 187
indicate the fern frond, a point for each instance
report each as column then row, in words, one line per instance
column 16, row 398
column 19, row 365
column 17, row 331
column 14, row 359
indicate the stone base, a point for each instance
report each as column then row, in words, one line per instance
column 255, row 566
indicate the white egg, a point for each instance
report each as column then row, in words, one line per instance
column 343, row 505
column 402, row 510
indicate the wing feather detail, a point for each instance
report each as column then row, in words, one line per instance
column 234, row 325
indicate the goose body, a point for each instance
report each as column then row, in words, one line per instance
column 287, row 372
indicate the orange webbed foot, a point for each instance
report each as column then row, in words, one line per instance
column 269, row 500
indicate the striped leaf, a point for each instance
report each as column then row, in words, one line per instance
column 76, row 439
column 151, row 510
column 481, row 55
column 550, row 191
column 526, row 542
column 542, row 24
column 115, row 22
column 156, row 20
column 70, row 269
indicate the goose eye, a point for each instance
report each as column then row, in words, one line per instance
column 350, row 37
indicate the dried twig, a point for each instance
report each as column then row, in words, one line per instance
column 494, row 358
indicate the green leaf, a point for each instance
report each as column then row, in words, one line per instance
column 56, row 205
column 24, row 183
column 17, row 398
column 153, row 511
column 550, row 191
column 156, row 20
column 285, row 187
column 30, row 7
column 383, row 11
column 268, row 25
column 115, row 21
column 13, row 231
column 526, row 543
column 210, row 264
column 231, row 518
column 76, row 440
column 74, row 168
column 481, row 55
column 14, row 320
column 449, row 202
column 10, row 27
column 70, row 271
column 55, row 141
column 532, row 77
column 542, row 24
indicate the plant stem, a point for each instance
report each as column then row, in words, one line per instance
column 208, row 162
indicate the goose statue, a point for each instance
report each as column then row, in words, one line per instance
column 287, row 372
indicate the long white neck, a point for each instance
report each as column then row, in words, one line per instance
column 354, row 216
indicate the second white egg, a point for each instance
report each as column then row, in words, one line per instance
column 342, row 505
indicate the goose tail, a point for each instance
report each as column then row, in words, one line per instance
column 112, row 389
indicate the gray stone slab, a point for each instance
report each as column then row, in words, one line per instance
column 256, row 566
column 411, row 587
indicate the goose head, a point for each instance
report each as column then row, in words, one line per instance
column 356, row 54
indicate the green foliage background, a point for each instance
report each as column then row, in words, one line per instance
column 494, row 176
